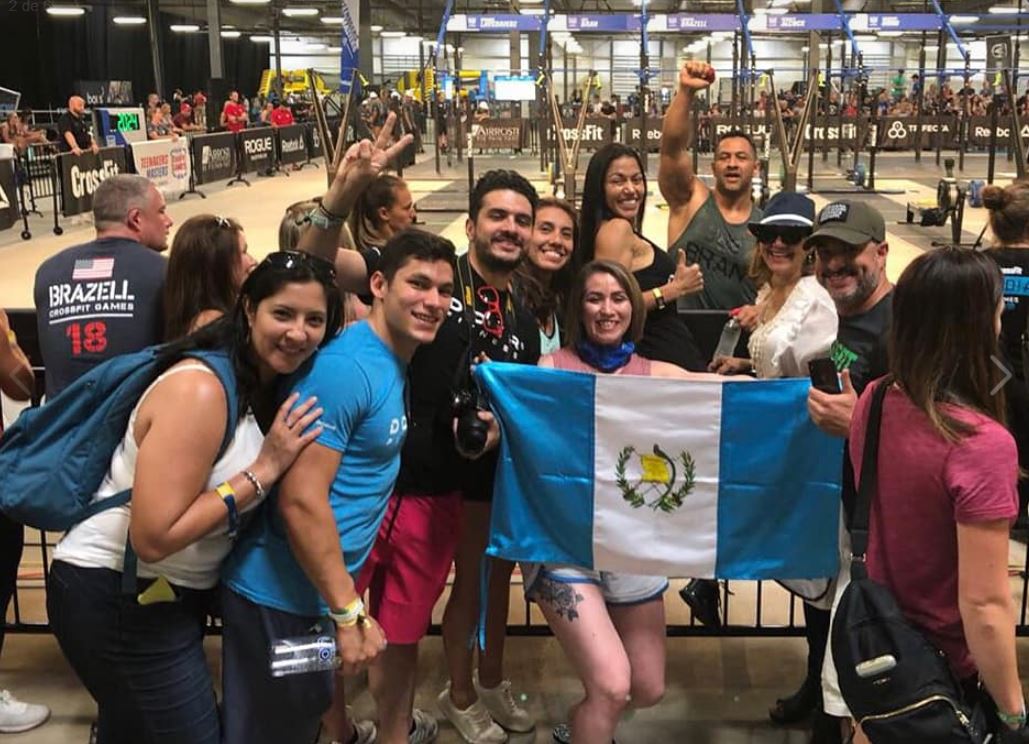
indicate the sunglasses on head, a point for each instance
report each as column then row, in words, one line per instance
column 789, row 235
column 294, row 259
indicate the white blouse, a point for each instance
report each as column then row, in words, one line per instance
column 99, row 542
column 802, row 330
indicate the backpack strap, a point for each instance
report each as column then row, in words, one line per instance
column 221, row 365
column 867, row 483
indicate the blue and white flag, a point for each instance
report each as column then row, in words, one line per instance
column 660, row 476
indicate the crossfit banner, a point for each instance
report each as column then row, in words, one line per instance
column 633, row 128
column 81, row 174
column 8, row 194
column 499, row 134
column 214, row 156
column 257, row 148
column 165, row 163
column 350, row 10
column 838, row 134
column 291, row 145
column 596, row 132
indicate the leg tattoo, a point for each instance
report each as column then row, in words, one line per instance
column 562, row 597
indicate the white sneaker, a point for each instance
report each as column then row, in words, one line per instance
column 502, row 707
column 425, row 727
column 16, row 716
column 364, row 731
column 473, row 723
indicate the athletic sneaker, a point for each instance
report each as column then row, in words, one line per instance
column 364, row 731
column 16, row 716
column 502, row 707
column 425, row 728
column 474, row 723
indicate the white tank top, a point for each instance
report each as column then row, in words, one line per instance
column 99, row 542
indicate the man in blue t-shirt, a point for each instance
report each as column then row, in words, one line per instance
column 299, row 563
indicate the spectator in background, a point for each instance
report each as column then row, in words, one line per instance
column 234, row 115
column 74, row 128
column 185, row 120
column 16, row 131
column 124, row 262
column 157, row 128
column 152, row 101
column 16, row 382
column 200, row 109
column 265, row 117
column 167, row 120
column 207, row 265
column 280, row 116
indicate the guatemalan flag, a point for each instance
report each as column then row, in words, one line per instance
column 659, row 476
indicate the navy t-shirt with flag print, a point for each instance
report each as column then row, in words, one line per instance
column 96, row 301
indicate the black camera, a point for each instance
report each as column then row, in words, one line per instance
column 472, row 431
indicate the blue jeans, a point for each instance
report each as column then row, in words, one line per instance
column 144, row 666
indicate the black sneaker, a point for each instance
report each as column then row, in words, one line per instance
column 562, row 734
column 704, row 600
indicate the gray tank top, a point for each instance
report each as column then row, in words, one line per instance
column 723, row 252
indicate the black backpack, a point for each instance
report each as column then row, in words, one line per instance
column 897, row 685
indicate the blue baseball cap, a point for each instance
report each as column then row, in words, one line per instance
column 786, row 209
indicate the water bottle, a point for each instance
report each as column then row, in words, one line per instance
column 730, row 337
column 303, row 654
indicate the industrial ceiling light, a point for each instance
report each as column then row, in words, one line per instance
column 65, row 10
column 129, row 20
column 332, row 20
column 376, row 29
column 261, row 39
column 231, row 34
column 299, row 12
column 393, row 34
column 184, row 28
column 1004, row 10
column 889, row 34
column 963, row 20
column 250, row 2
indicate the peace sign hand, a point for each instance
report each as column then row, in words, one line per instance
column 361, row 164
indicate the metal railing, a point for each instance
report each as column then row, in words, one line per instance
column 749, row 608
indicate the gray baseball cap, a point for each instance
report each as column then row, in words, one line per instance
column 852, row 222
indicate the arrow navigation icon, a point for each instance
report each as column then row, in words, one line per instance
column 1005, row 370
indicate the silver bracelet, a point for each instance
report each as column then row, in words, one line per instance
column 255, row 483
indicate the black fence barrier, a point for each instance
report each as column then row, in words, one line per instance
column 81, row 174
column 214, row 156
column 290, row 144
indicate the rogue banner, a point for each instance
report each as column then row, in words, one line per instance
column 257, row 148
column 81, row 174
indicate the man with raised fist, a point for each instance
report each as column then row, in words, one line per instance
column 710, row 225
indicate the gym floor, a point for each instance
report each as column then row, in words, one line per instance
column 718, row 688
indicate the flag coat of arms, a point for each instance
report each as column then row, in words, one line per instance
column 660, row 476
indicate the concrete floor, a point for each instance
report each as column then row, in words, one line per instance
column 718, row 688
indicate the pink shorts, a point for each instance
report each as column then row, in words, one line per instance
column 408, row 567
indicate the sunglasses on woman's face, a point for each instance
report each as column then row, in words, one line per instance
column 293, row 259
column 789, row 235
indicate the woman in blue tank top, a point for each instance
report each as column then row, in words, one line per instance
column 613, row 201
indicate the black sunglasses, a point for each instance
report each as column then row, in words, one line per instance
column 294, row 259
column 789, row 235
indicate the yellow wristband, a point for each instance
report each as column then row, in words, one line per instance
column 12, row 337
column 228, row 494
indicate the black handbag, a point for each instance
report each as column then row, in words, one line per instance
column 898, row 686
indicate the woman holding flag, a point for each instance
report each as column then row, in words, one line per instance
column 611, row 625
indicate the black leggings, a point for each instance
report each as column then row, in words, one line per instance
column 12, row 540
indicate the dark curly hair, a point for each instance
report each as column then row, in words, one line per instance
column 500, row 180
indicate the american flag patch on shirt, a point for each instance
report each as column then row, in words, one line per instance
column 93, row 268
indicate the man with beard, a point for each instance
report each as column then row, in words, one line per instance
column 710, row 225
column 850, row 251
column 441, row 503
column 74, row 130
